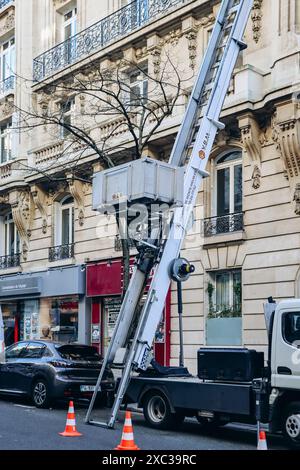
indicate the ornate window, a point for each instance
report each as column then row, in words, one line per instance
column 6, row 141
column 63, row 230
column 137, row 86
column 67, row 109
column 8, row 59
column 227, row 196
column 65, row 221
column 70, row 24
column 229, row 184
column 11, row 240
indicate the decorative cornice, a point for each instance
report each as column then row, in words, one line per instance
column 251, row 137
column 256, row 17
column 40, row 199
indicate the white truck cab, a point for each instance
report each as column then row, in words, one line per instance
column 285, row 345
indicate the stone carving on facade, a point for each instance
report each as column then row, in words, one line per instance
column 156, row 60
column 286, row 136
column 40, row 199
column 6, row 107
column 7, row 22
column 191, row 37
column 251, row 137
column 78, row 191
column 256, row 177
column 4, row 199
column 256, row 17
column 297, row 199
column 221, row 139
column 141, row 53
column 172, row 37
column 23, row 212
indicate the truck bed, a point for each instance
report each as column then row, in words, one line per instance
column 193, row 394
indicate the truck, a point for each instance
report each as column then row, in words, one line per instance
column 236, row 385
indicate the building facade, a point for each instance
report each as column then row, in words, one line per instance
column 61, row 273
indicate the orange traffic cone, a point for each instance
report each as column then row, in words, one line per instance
column 70, row 430
column 127, row 441
column 262, row 441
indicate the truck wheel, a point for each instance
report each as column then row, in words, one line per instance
column 157, row 412
column 291, row 424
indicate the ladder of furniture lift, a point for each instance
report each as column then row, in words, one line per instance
column 191, row 149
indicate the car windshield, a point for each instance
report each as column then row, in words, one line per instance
column 78, row 353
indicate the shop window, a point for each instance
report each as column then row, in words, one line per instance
column 63, row 319
column 224, row 318
column 111, row 309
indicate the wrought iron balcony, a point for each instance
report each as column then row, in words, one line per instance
column 7, row 85
column 107, row 30
column 10, row 261
column 61, row 252
column 3, row 3
column 223, row 224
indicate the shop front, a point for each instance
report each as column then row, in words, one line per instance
column 104, row 287
column 45, row 305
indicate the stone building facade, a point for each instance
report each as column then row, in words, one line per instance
column 60, row 262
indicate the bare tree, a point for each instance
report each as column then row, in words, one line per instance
column 111, row 110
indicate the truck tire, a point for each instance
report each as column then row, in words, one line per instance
column 291, row 424
column 157, row 412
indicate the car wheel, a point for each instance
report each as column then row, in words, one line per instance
column 40, row 394
column 158, row 413
column 291, row 425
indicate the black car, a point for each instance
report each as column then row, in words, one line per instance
column 46, row 371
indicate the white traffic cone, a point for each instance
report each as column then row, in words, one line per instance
column 262, row 441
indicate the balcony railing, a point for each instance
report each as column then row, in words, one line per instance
column 109, row 29
column 10, row 261
column 3, row 3
column 7, row 85
column 223, row 224
column 61, row 252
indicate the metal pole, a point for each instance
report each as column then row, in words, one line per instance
column 180, row 312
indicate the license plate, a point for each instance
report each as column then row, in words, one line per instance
column 87, row 388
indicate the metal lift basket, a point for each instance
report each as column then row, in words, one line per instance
column 143, row 181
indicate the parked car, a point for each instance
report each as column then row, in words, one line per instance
column 45, row 371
